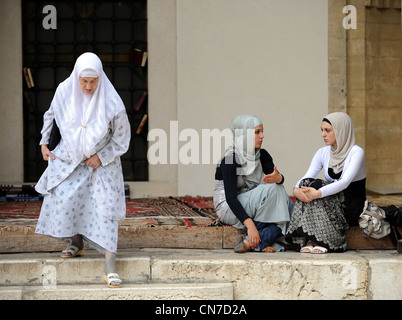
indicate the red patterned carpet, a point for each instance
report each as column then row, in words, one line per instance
column 170, row 211
column 145, row 212
column 19, row 209
column 169, row 206
column 175, row 211
column 165, row 222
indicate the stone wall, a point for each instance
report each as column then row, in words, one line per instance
column 364, row 73
column 384, row 99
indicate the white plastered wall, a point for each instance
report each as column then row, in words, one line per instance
column 262, row 57
column 11, row 124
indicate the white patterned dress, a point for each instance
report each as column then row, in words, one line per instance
column 82, row 200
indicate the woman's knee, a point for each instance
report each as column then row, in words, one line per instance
column 274, row 189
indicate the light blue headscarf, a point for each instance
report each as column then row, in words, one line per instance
column 242, row 127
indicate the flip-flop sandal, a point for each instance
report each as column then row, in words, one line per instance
column 71, row 252
column 241, row 247
column 309, row 248
column 268, row 249
column 112, row 280
column 320, row 249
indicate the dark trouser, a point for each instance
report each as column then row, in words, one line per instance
column 268, row 232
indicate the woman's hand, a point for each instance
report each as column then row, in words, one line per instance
column 252, row 232
column 274, row 177
column 46, row 153
column 93, row 161
column 299, row 194
column 311, row 193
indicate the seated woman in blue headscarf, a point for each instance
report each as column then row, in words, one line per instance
column 249, row 192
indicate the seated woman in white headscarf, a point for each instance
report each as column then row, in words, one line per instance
column 249, row 192
column 83, row 183
column 325, row 209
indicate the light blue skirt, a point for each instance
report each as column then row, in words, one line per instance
column 267, row 203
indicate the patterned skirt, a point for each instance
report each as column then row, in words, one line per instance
column 73, row 207
column 321, row 221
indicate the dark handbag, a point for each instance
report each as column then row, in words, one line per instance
column 55, row 136
column 393, row 215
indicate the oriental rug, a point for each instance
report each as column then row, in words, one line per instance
column 163, row 222
column 185, row 211
column 158, row 211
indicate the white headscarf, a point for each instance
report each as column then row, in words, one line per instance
column 345, row 139
column 83, row 119
column 243, row 134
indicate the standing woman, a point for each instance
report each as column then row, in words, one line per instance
column 248, row 188
column 325, row 209
column 83, row 183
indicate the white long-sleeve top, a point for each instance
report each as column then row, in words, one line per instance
column 354, row 169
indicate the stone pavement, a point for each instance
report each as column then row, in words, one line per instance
column 205, row 274
column 212, row 272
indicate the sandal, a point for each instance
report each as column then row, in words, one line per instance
column 320, row 249
column 307, row 249
column 112, row 280
column 268, row 249
column 241, row 246
column 71, row 252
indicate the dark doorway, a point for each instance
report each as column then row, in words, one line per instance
column 117, row 32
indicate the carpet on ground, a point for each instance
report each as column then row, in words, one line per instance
column 20, row 206
column 186, row 211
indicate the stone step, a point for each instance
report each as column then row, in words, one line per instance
column 34, row 268
column 360, row 274
column 16, row 238
column 22, row 238
column 144, row 291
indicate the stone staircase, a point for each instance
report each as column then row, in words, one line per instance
column 39, row 276
column 220, row 274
